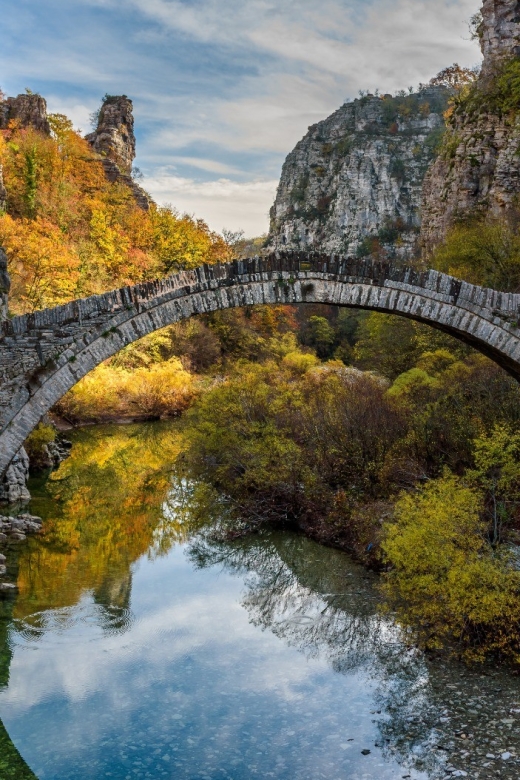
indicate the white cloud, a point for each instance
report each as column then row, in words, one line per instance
column 212, row 166
column 332, row 36
column 222, row 203
column 77, row 112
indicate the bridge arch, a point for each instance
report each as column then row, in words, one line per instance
column 43, row 355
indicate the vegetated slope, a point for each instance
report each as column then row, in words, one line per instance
column 353, row 183
column 71, row 225
column 477, row 174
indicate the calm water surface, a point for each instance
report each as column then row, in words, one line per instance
column 136, row 649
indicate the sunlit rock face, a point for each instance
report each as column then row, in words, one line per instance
column 353, row 183
column 27, row 110
column 478, row 172
column 114, row 140
column 114, row 135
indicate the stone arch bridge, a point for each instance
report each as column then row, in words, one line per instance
column 42, row 355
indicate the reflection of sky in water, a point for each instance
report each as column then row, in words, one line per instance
column 192, row 689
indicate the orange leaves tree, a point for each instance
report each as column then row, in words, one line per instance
column 44, row 265
column 69, row 232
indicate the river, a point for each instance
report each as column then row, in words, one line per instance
column 139, row 647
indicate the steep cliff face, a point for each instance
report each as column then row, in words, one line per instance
column 499, row 33
column 353, row 183
column 28, row 110
column 478, row 170
column 114, row 140
column 114, row 136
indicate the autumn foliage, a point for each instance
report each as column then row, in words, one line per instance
column 69, row 232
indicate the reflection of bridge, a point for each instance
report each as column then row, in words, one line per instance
column 42, row 355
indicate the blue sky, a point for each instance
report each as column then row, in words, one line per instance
column 223, row 89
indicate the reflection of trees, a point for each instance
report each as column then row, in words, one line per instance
column 319, row 601
column 102, row 511
column 314, row 598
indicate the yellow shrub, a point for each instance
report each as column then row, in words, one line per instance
column 36, row 442
column 300, row 362
column 449, row 586
column 108, row 392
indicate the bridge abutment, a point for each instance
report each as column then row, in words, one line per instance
column 13, row 482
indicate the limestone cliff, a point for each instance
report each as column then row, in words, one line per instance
column 114, row 140
column 478, row 170
column 499, row 33
column 28, row 110
column 353, row 183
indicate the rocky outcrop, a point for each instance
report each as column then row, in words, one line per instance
column 5, row 285
column 478, row 170
column 28, row 110
column 114, row 136
column 114, row 140
column 113, row 174
column 499, row 33
column 13, row 484
column 353, row 183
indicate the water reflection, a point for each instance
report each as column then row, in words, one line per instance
column 103, row 509
column 136, row 649
column 431, row 716
column 318, row 601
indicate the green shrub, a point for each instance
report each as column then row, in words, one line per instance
column 450, row 588
column 483, row 252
